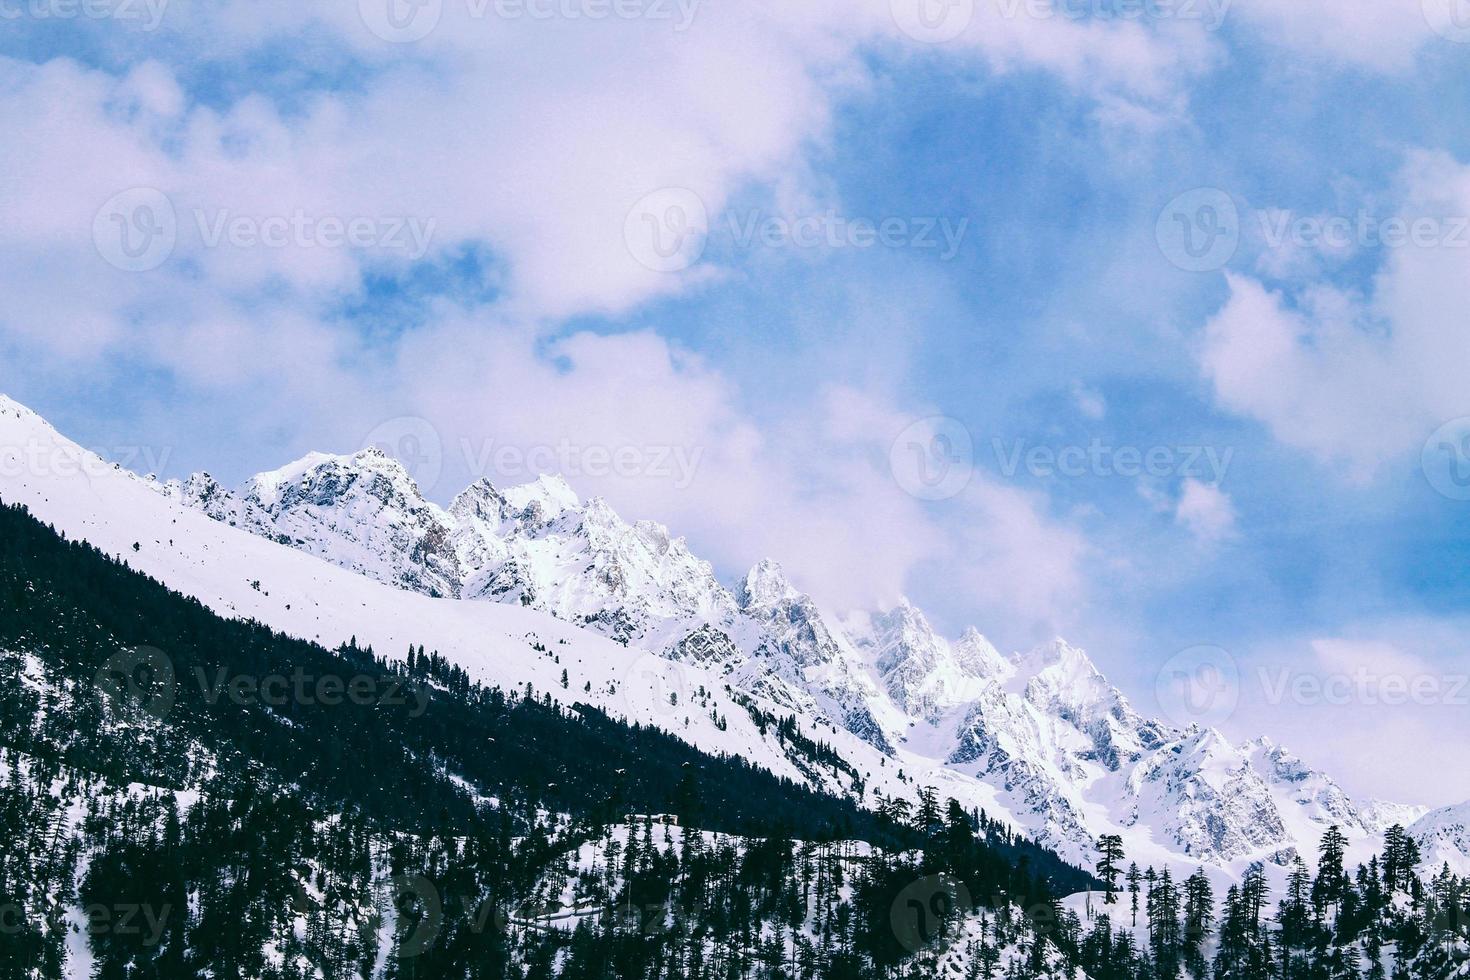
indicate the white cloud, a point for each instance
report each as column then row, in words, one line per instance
column 533, row 135
column 1358, row 380
column 1205, row 511
column 1383, row 35
column 1089, row 402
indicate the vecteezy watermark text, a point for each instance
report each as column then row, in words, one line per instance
column 1281, row 228
column 44, row 458
column 669, row 229
column 405, row 233
column 1206, row 463
column 144, row 679
column 1282, row 685
column 145, row 921
column 137, row 230
column 146, row 14
column 831, row 230
column 1204, row 685
column 934, row 459
column 417, row 444
column 302, row 688
column 677, row 464
column 407, row 21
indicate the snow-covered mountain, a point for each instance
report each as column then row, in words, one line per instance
column 1039, row 737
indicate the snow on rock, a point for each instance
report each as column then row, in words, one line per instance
column 829, row 666
column 1321, row 799
column 1203, row 792
column 1444, row 837
column 919, row 669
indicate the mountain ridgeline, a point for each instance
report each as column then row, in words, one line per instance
column 1067, row 754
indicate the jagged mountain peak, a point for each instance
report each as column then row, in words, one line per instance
column 1059, row 671
column 658, row 539
column 481, row 500
column 317, row 477
column 902, row 635
column 551, row 494
column 978, row 657
column 1208, row 741
column 202, row 491
column 1057, row 656
column 765, row 585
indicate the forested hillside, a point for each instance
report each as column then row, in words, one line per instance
column 194, row 796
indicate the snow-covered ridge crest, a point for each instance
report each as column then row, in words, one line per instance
column 1040, row 737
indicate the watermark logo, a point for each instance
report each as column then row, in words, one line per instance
column 934, row 458
column 1362, row 686
column 136, row 230
column 932, row 21
column 1199, row 685
column 1199, row 231
column 1450, row 19
column 145, row 679
column 928, row 912
column 401, row 21
column 415, row 898
column 415, row 443
column 1446, row 459
column 666, row 230
column 418, row 446
column 664, row 681
column 138, row 679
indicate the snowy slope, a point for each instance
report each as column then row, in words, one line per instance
column 316, row 600
column 1444, row 837
column 347, row 545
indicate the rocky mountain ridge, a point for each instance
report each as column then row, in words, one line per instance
column 1063, row 747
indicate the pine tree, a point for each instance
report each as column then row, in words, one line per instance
column 1110, row 853
column 1199, row 915
column 1331, row 879
column 1134, row 878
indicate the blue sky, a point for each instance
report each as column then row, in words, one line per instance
column 1291, row 386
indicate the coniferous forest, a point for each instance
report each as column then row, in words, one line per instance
column 436, row 828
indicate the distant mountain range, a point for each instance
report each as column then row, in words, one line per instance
column 1039, row 738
